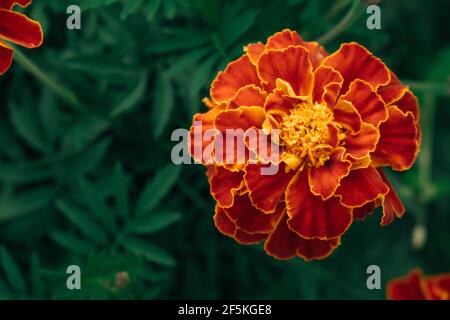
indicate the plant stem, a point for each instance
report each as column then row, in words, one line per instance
column 59, row 89
column 353, row 14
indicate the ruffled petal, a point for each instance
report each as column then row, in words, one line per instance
column 316, row 53
column 202, row 123
column 327, row 84
column 437, row 287
column 359, row 145
column 361, row 186
column 292, row 65
column 19, row 29
column 266, row 191
column 347, row 115
column 398, row 145
column 249, row 219
column 283, row 39
column 237, row 74
column 361, row 213
column 236, row 122
column 254, row 51
column 392, row 204
column 285, row 244
column 6, row 57
column 368, row 103
column 325, row 180
column 250, row 95
column 408, row 103
column 227, row 227
column 312, row 217
column 224, row 184
column 9, row 4
column 353, row 61
column 406, row 288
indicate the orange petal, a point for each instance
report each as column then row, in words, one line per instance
column 392, row 204
column 291, row 65
column 236, row 122
column 408, row 103
column 6, row 56
column 19, row 29
column 9, row 4
column 353, row 61
column 201, row 123
column 362, row 212
column 254, row 51
column 237, row 74
column 347, row 115
column 227, row 227
column 224, row 184
column 368, row 103
column 284, row 244
column 406, row 288
column 263, row 145
column 223, row 223
column 361, row 186
column 315, row 249
column 323, row 77
column 325, row 180
column 266, row 191
column 250, row 95
column 398, row 145
column 283, row 39
column 312, row 217
column 316, row 53
column 249, row 219
column 437, row 287
column 361, row 144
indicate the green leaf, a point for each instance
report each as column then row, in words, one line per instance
column 130, row 7
column 12, row 272
column 154, row 222
column 163, row 101
column 152, row 8
column 36, row 276
column 120, row 182
column 25, row 202
column 88, row 226
column 27, row 126
column 131, row 98
column 71, row 242
column 156, row 188
column 148, row 251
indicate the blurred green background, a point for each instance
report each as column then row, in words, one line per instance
column 85, row 170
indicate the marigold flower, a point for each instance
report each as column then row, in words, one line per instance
column 340, row 117
column 17, row 28
column 416, row 286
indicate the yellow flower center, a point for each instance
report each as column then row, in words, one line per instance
column 304, row 135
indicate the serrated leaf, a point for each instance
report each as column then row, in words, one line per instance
column 12, row 272
column 25, row 202
column 130, row 7
column 156, row 188
column 154, row 222
column 148, row 251
column 72, row 242
column 132, row 97
column 120, row 182
column 87, row 225
column 163, row 101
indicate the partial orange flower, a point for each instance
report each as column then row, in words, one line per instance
column 416, row 286
column 340, row 118
column 18, row 29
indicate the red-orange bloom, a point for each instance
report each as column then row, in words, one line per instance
column 416, row 286
column 18, row 29
column 340, row 117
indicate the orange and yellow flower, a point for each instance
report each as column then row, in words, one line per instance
column 416, row 286
column 340, row 117
column 18, row 29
